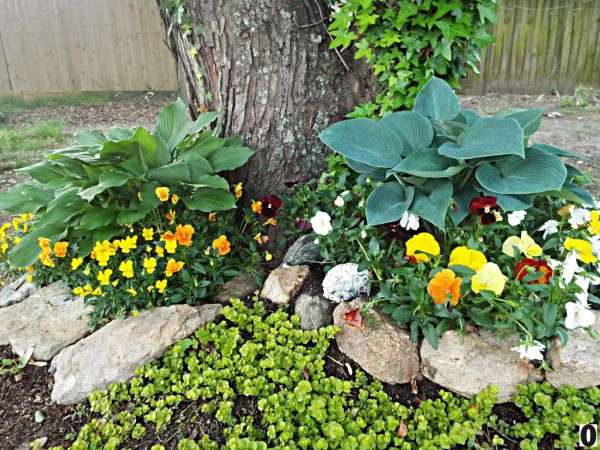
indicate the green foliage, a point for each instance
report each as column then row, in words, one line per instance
column 437, row 156
column 550, row 411
column 407, row 42
column 92, row 191
column 270, row 362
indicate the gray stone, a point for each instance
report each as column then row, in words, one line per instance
column 381, row 349
column 344, row 282
column 209, row 313
column 578, row 363
column 241, row 286
column 16, row 292
column 284, row 283
column 470, row 363
column 315, row 311
column 303, row 251
column 113, row 352
column 46, row 320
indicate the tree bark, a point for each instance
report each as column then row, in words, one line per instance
column 267, row 64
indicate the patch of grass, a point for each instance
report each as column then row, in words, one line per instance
column 11, row 103
column 585, row 98
column 19, row 148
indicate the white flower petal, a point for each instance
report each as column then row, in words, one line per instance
column 578, row 316
column 321, row 223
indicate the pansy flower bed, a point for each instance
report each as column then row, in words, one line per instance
column 448, row 212
column 138, row 219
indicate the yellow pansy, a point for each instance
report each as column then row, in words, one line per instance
column 126, row 268
column 135, row 313
column 132, row 292
column 161, row 286
column 75, row 263
column 268, row 256
column 162, row 193
column 170, row 246
column 525, row 245
column 489, row 278
column 238, row 190
column 150, row 265
column 104, row 277
column 594, row 226
column 148, row 233
column 257, row 207
column 464, row 256
column 174, row 199
column 419, row 245
column 129, row 243
column 159, row 251
column 60, row 249
column 583, row 249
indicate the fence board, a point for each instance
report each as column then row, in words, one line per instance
column 83, row 45
column 541, row 46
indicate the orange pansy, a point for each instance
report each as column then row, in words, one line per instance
column 222, row 244
column 183, row 234
column 445, row 285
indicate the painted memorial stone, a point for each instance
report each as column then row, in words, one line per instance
column 344, row 282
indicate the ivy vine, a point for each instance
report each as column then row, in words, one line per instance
column 409, row 41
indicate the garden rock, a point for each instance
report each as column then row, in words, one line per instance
column 383, row 350
column 16, row 292
column 47, row 319
column 209, row 313
column 315, row 311
column 468, row 364
column 284, row 283
column 344, row 282
column 303, row 251
column 113, row 352
column 241, row 286
column 578, row 363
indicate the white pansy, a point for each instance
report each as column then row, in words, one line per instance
column 582, row 282
column 578, row 316
column 554, row 263
column 579, row 217
column 321, row 223
column 409, row 221
column 570, row 267
column 316, row 241
column 516, row 217
column 361, row 203
column 550, row 227
column 530, row 350
column 339, row 201
column 363, row 234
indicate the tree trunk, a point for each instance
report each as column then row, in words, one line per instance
column 268, row 65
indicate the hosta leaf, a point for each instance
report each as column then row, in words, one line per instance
column 97, row 217
column 572, row 193
column 203, row 120
column 107, row 233
column 174, row 173
column 172, row 124
column 113, row 178
column 229, row 158
column 431, row 204
column 119, row 134
column 489, row 136
column 462, row 200
column 523, row 176
column 559, row 151
column 358, row 166
column 364, row 140
column 414, row 130
column 207, row 199
column 429, row 164
column 437, row 101
column 90, row 138
column 388, row 203
column 136, row 212
column 24, row 198
column 213, row 181
column 44, row 171
column 145, row 147
column 114, row 152
column 529, row 119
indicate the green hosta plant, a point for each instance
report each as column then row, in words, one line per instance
column 433, row 160
column 94, row 190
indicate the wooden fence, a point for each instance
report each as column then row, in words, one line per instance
column 541, row 46
column 90, row 45
column 83, row 45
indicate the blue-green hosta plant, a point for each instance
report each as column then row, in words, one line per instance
column 432, row 161
column 92, row 191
